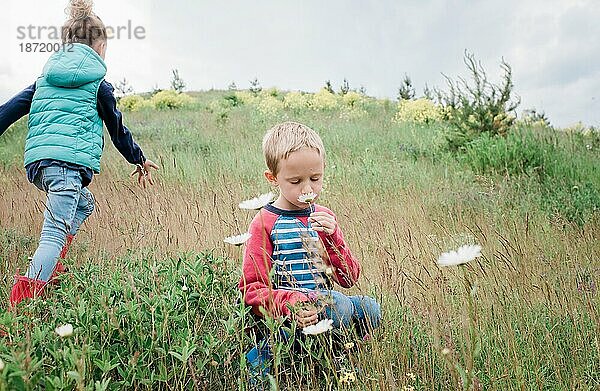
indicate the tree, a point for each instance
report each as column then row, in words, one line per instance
column 406, row 90
column 255, row 86
column 328, row 86
column 122, row 88
column 177, row 82
column 345, row 88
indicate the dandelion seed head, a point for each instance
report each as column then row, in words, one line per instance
column 349, row 345
column 445, row 351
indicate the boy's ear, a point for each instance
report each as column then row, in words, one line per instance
column 270, row 177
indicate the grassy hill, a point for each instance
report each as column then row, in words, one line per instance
column 531, row 198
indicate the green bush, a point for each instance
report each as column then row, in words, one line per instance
column 478, row 107
column 568, row 183
column 517, row 153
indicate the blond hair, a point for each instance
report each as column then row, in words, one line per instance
column 83, row 25
column 288, row 137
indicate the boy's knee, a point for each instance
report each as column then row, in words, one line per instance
column 367, row 310
column 341, row 310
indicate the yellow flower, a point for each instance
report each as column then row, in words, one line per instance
column 348, row 378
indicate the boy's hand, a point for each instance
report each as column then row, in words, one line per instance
column 323, row 221
column 306, row 316
column 143, row 172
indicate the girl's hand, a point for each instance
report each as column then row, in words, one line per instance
column 323, row 221
column 143, row 172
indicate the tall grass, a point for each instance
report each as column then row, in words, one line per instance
column 400, row 198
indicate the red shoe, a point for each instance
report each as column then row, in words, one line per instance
column 25, row 288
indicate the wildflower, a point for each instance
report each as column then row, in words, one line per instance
column 411, row 376
column 238, row 240
column 464, row 254
column 347, row 378
column 184, row 288
column 1, row 364
column 408, row 388
column 445, row 351
column 257, row 202
column 349, row 345
column 308, row 198
column 319, row 328
column 589, row 147
column 65, row 330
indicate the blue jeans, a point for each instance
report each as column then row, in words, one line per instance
column 360, row 311
column 67, row 207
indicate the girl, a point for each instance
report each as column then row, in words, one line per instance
column 67, row 106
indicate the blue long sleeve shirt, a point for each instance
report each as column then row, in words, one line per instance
column 121, row 137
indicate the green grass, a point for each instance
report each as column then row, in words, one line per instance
column 401, row 198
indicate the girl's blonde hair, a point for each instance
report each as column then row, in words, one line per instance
column 288, row 137
column 83, row 25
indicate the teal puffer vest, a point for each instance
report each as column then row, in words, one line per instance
column 63, row 120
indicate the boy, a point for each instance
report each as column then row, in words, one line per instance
column 300, row 243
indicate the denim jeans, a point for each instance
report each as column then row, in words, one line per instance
column 67, row 207
column 361, row 311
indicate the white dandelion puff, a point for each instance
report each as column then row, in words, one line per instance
column 238, row 240
column 308, row 198
column 319, row 328
column 464, row 254
column 257, row 202
column 66, row 330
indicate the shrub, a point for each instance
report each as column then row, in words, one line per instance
column 269, row 106
column 170, row 99
column 246, row 97
column 296, row 101
column 133, row 103
column 517, row 153
column 324, row 100
column 353, row 99
column 422, row 111
column 478, row 107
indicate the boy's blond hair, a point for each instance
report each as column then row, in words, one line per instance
column 288, row 137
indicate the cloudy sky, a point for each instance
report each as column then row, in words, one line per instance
column 553, row 46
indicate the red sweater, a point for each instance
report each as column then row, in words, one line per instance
column 256, row 284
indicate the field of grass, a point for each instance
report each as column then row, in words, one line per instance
column 529, row 320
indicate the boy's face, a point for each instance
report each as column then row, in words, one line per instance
column 301, row 173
